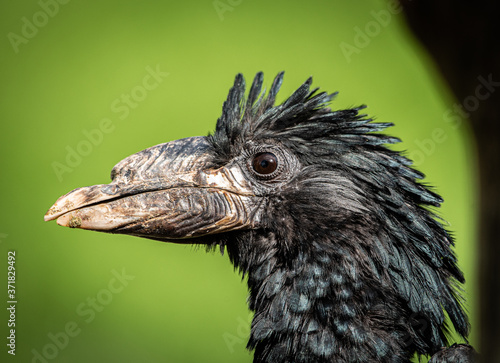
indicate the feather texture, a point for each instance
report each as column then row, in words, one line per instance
column 351, row 264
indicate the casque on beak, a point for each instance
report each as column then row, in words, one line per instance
column 167, row 192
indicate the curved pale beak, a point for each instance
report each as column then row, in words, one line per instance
column 169, row 192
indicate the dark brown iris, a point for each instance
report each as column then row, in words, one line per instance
column 265, row 163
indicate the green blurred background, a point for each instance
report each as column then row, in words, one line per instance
column 66, row 66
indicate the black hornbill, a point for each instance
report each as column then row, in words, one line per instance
column 345, row 260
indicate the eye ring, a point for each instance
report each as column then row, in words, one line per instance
column 265, row 164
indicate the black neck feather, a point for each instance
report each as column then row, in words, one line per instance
column 328, row 302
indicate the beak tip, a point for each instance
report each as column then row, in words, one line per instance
column 69, row 220
column 51, row 214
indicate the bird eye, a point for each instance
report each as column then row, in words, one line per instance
column 265, row 163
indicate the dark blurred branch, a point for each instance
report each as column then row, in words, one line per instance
column 462, row 37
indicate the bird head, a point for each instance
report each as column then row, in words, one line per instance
column 247, row 175
column 333, row 228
